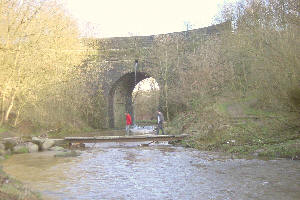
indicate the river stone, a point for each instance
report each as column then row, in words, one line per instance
column 11, row 142
column 47, row 144
column 38, row 141
column 20, row 148
column 57, row 148
column 67, row 154
column 32, row 147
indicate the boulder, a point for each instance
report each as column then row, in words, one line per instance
column 67, row 154
column 11, row 142
column 27, row 147
column 32, row 147
column 37, row 140
column 20, row 148
column 57, row 148
column 47, row 144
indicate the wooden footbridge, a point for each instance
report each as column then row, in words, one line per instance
column 130, row 138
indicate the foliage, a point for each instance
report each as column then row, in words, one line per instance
column 259, row 57
column 2, row 130
column 145, row 104
column 237, row 85
column 43, row 78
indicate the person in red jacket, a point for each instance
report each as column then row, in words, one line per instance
column 128, row 122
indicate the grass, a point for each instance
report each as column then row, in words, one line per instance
column 222, row 108
column 247, row 144
column 238, row 128
column 259, row 112
column 2, row 130
column 289, row 149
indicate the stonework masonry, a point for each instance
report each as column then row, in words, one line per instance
column 119, row 55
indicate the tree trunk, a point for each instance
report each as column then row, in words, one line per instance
column 11, row 104
column 166, row 87
column 2, row 109
column 17, row 118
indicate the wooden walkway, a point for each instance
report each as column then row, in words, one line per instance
column 131, row 138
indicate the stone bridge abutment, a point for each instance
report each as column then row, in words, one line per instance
column 120, row 97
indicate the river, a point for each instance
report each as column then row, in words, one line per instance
column 159, row 171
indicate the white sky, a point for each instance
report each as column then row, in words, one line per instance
column 147, row 84
column 119, row 18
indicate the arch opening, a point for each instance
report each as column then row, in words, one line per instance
column 145, row 100
column 121, row 97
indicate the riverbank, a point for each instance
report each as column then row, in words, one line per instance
column 11, row 189
column 12, row 142
column 240, row 128
column 208, row 130
column 222, row 127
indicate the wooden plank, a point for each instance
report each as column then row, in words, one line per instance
column 135, row 138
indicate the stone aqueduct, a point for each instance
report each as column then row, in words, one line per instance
column 120, row 55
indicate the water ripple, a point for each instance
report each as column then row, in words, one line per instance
column 119, row 171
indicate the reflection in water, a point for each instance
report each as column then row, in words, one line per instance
column 129, row 171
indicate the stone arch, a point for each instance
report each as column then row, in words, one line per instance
column 120, row 97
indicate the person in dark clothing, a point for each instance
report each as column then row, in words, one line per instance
column 160, row 121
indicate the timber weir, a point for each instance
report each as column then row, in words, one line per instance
column 131, row 138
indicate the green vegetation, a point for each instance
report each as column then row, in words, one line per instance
column 267, row 137
column 235, row 126
column 45, row 73
column 238, row 92
column 2, row 130
column 45, row 77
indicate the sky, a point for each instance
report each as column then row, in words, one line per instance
column 122, row 18
column 147, row 84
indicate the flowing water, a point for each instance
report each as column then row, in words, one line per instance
column 160, row 171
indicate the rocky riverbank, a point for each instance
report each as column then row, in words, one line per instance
column 13, row 145
column 11, row 189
